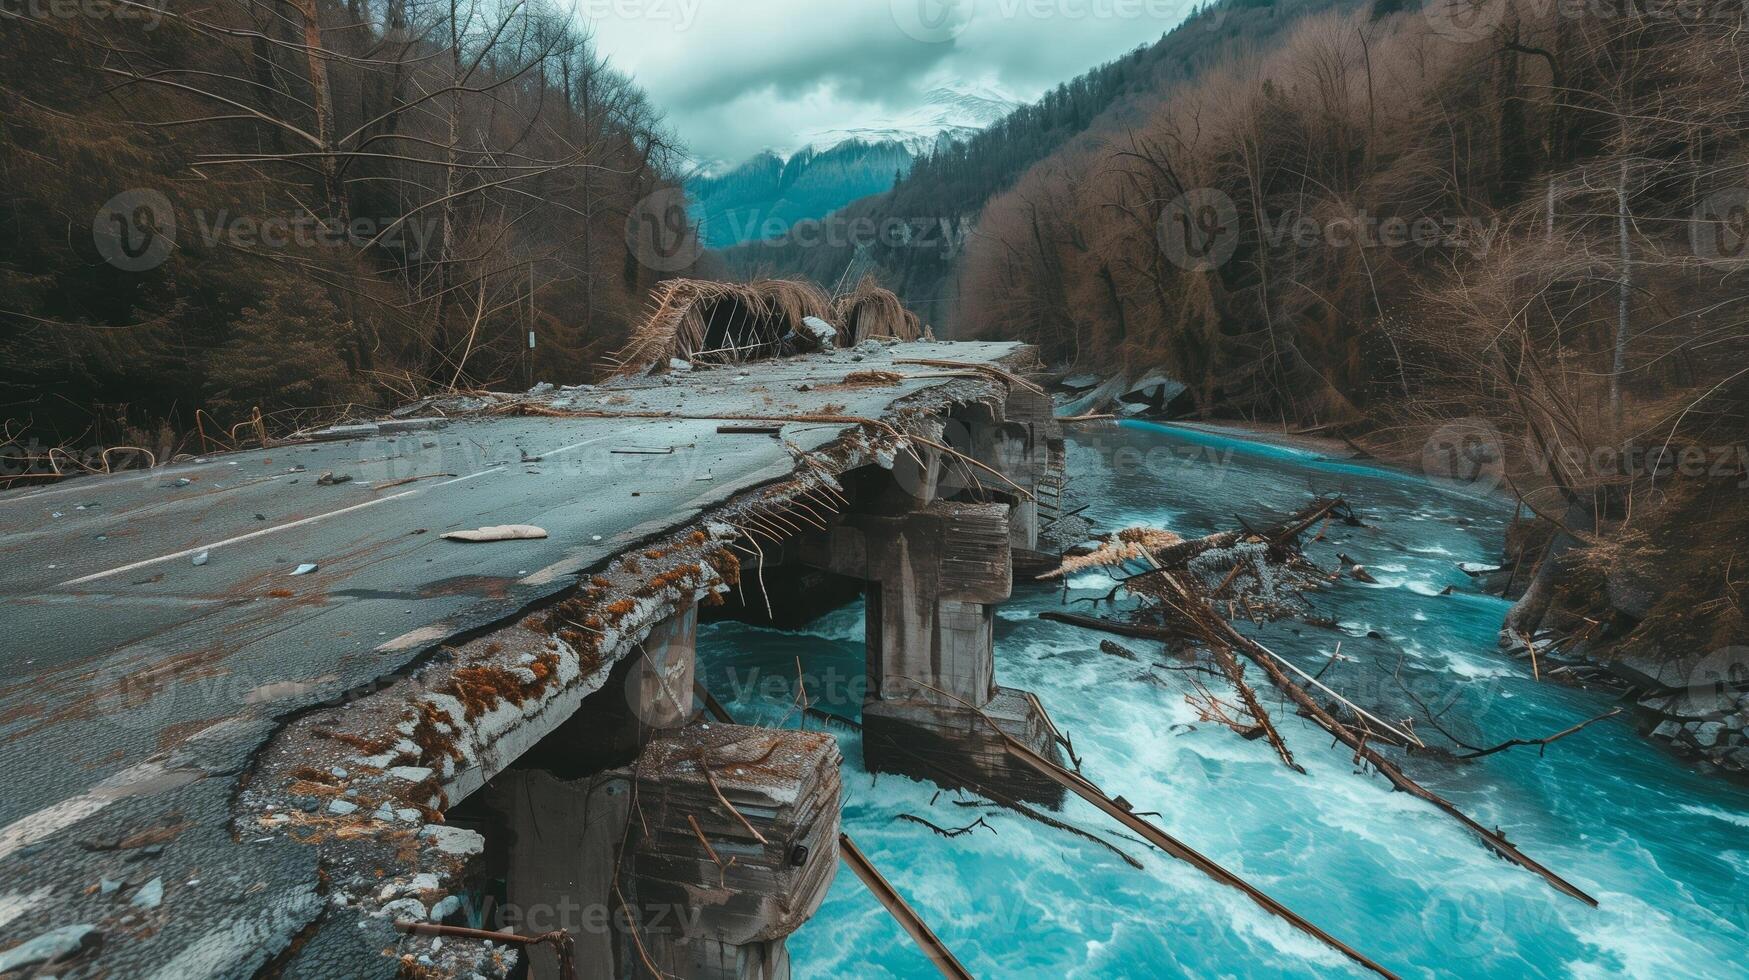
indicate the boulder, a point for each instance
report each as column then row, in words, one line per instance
column 821, row 333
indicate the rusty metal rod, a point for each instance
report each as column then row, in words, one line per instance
column 895, row 904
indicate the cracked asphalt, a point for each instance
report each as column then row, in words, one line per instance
column 154, row 635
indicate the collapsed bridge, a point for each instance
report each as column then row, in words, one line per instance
column 275, row 711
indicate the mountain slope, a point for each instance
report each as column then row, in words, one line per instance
column 947, row 188
column 767, row 195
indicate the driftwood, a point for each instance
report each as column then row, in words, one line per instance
column 1159, row 838
column 1118, row 650
column 1248, row 697
column 1541, row 743
column 946, row 832
column 901, row 911
column 1476, row 751
column 1175, row 556
column 1220, row 632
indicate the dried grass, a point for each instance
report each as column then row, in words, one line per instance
column 717, row 322
column 1130, row 544
column 871, row 312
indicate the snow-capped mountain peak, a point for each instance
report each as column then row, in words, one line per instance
column 950, row 112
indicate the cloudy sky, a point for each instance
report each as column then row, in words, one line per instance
column 736, row 76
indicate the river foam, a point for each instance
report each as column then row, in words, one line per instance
column 1660, row 846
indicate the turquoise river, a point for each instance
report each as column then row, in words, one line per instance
column 1663, row 848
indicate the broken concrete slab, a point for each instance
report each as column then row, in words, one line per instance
column 382, row 609
column 50, row 947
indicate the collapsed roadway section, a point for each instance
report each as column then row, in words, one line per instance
column 278, row 723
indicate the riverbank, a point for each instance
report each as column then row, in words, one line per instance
column 1661, row 846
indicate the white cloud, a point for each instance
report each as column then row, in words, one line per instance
column 736, row 76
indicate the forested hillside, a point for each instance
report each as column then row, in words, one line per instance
column 912, row 236
column 305, row 205
column 767, row 194
column 1503, row 240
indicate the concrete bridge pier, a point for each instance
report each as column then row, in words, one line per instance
column 733, row 844
column 659, row 686
column 935, row 577
column 1018, row 439
column 700, row 857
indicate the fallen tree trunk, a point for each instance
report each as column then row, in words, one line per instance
column 1220, row 632
column 901, row 910
column 1176, row 555
column 1248, row 697
column 1085, row 789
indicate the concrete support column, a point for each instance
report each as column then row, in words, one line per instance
column 936, row 577
column 734, row 861
column 659, row 686
column 565, row 845
column 938, row 574
column 646, row 864
column 1014, row 450
column 1014, row 439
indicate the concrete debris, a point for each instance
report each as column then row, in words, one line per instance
column 150, row 895
column 1155, row 387
column 445, row 908
column 404, row 909
column 411, row 425
column 679, row 364
column 1093, row 401
column 329, row 479
column 200, row 558
column 341, row 808
column 498, row 532
column 50, row 947
column 338, row 432
column 304, row 569
column 455, row 841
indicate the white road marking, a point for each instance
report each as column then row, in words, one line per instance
column 147, row 777
column 96, row 482
column 197, row 549
column 577, row 445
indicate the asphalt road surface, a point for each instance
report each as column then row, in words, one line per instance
column 153, row 627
